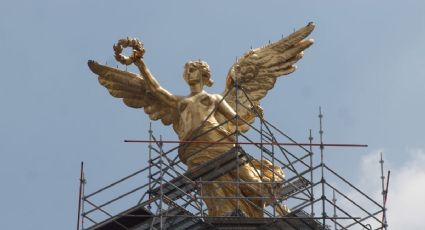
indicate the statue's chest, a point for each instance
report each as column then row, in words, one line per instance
column 196, row 104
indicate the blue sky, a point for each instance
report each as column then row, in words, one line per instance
column 366, row 70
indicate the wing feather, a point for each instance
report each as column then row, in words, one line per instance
column 132, row 89
column 134, row 103
column 257, row 71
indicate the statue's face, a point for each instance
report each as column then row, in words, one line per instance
column 192, row 75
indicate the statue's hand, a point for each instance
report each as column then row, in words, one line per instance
column 137, row 54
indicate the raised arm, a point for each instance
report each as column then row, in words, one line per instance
column 154, row 86
column 136, row 58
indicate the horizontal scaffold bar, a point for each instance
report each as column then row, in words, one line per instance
column 246, row 143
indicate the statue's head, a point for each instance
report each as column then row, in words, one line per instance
column 197, row 72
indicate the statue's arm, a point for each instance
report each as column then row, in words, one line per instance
column 230, row 114
column 225, row 109
column 154, row 86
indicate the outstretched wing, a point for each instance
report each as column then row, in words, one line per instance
column 132, row 89
column 256, row 72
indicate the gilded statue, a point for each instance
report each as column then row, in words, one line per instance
column 203, row 120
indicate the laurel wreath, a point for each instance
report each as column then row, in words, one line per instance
column 138, row 50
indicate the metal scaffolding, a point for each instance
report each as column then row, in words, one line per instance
column 171, row 198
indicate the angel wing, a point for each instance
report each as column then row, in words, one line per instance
column 256, row 73
column 132, row 89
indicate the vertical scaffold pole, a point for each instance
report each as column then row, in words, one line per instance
column 334, row 203
column 160, row 184
column 83, row 194
column 381, row 162
column 322, row 165
column 202, row 194
column 262, row 151
column 310, row 138
column 274, row 181
column 384, row 193
column 385, row 201
column 80, row 194
column 150, row 164
column 237, row 135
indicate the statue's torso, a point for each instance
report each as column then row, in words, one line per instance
column 196, row 111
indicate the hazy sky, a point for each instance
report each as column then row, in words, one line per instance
column 366, row 70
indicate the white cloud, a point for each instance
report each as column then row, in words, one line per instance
column 406, row 197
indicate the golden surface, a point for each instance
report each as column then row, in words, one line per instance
column 197, row 116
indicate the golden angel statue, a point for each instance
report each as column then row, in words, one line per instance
column 201, row 118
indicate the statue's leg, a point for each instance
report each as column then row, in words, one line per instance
column 223, row 198
column 216, row 196
column 257, row 187
column 251, row 188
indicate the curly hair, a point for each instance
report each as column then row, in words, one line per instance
column 204, row 68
